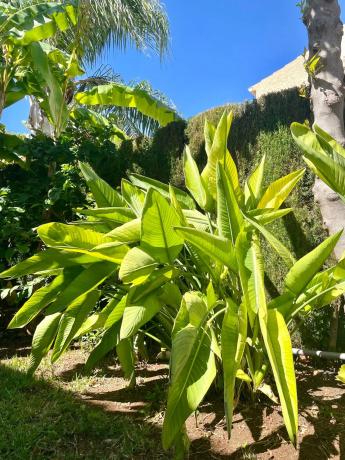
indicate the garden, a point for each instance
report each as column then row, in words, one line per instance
column 169, row 287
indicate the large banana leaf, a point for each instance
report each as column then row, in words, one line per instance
column 323, row 155
column 194, row 182
column 43, row 339
column 277, row 192
column 305, row 268
column 136, row 266
column 216, row 247
column 278, row 346
column 74, row 238
column 104, row 195
column 36, row 22
column 209, row 132
column 158, row 236
column 279, row 247
column 229, row 216
column 124, row 96
column 128, row 232
column 43, row 297
column 145, row 183
column 72, row 320
column 65, row 236
column 119, row 215
column 58, row 111
column 134, row 196
column 48, row 260
column 86, row 281
column 107, row 343
column 193, row 370
column 253, row 186
column 233, row 340
column 136, row 316
column 217, row 153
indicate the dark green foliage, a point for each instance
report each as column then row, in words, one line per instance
column 250, row 119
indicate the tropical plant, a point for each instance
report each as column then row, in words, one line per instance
column 33, row 66
column 323, row 154
column 183, row 269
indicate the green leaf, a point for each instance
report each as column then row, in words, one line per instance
column 136, row 316
column 253, row 186
column 136, row 265
column 281, row 250
column 193, row 370
column 266, row 216
column 146, row 183
column 233, row 340
column 49, row 259
column 72, row 320
column 125, row 353
column 85, row 282
column 323, row 155
column 41, row 298
column 194, row 181
column 42, row 340
column 134, row 196
column 119, row 214
column 104, row 195
column 305, row 268
column 124, row 96
column 128, row 232
column 107, row 343
column 209, row 132
column 158, row 236
column 278, row 345
column 277, row 192
column 116, row 313
column 341, row 374
column 192, row 311
column 229, row 216
column 74, row 238
column 217, row 153
column 216, row 247
column 35, row 23
column 63, row 236
column 57, row 105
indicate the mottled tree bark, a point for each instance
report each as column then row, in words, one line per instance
column 325, row 32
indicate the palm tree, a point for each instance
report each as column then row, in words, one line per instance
column 108, row 24
column 118, row 23
column 103, row 24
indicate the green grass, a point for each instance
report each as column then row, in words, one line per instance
column 41, row 420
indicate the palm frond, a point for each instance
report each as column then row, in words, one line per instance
column 106, row 24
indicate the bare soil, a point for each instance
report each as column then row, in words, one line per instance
column 258, row 430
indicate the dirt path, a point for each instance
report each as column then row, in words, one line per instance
column 258, row 430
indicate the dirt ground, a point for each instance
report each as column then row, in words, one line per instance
column 258, row 431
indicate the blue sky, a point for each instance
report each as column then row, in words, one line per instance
column 218, row 49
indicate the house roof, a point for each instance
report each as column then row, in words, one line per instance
column 292, row 75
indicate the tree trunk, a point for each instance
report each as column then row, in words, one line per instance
column 325, row 32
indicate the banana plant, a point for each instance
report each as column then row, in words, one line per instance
column 185, row 269
column 323, row 154
column 31, row 65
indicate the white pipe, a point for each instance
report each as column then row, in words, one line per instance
column 319, row 354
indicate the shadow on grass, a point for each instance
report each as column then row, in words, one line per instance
column 38, row 420
column 41, row 420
